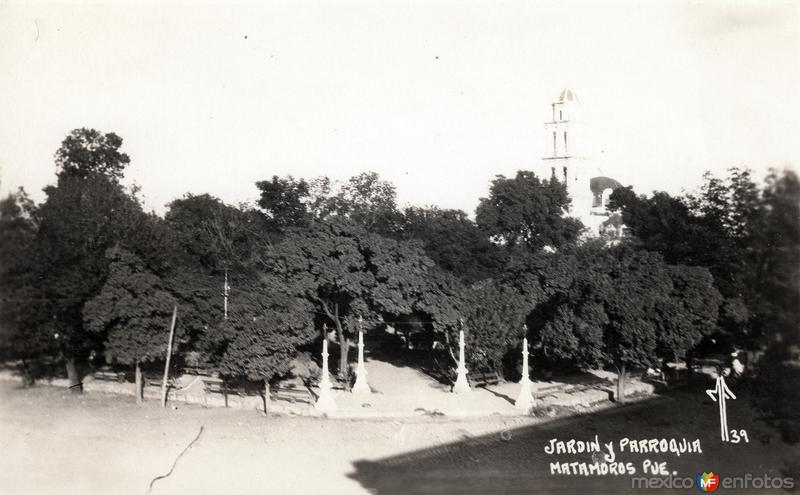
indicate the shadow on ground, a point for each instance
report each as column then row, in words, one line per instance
column 514, row 460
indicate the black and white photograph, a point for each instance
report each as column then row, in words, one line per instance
column 399, row 247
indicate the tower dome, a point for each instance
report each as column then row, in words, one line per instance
column 567, row 95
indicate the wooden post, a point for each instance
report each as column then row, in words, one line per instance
column 139, row 383
column 169, row 355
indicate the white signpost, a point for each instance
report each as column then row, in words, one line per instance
column 325, row 402
column 462, row 385
column 361, row 386
column 525, row 398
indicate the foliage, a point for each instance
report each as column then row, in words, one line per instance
column 132, row 311
column 18, row 291
column 494, row 320
column 370, row 202
column 365, row 199
column 88, row 151
column 621, row 306
column 80, row 219
column 346, row 271
column 748, row 237
column 284, row 200
column 526, row 211
column 775, row 393
column 263, row 331
column 215, row 235
column 453, row 242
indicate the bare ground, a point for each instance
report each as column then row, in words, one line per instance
column 54, row 442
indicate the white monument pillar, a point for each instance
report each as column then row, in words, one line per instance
column 325, row 401
column 361, row 386
column 525, row 398
column 461, row 385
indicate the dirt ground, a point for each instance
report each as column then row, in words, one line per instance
column 55, row 442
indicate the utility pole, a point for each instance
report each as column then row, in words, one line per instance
column 169, row 355
column 225, row 292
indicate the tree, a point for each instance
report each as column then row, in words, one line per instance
column 748, row 237
column 689, row 313
column 665, row 224
column 494, row 319
column 218, row 236
column 626, row 308
column 526, row 211
column 84, row 214
column 132, row 313
column 88, row 151
column 285, row 201
column 347, row 272
column 18, row 227
column 454, row 242
column 370, row 202
column 365, row 199
column 263, row 331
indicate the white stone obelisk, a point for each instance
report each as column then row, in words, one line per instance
column 325, row 402
column 361, row 386
column 462, row 385
column 525, row 398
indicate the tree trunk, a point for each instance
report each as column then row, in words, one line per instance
column 139, row 384
column 266, row 397
column 621, row 385
column 75, row 385
column 689, row 370
column 27, row 373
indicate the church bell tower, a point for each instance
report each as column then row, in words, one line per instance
column 565, row 157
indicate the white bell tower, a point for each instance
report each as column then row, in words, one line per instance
column 565, row 155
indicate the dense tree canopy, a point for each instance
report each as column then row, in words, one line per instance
column 454, row 242
column 263, row 332
column 285, row 200
column 216, row 235
column 618, row 306
column 18, row 287
column 89, row 270
column 527, row 211
column 748, row 237
column 132, row 313
column 88, row 151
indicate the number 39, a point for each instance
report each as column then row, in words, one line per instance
column 739, row 435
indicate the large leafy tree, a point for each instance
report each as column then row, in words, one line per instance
column 625, row 308
column 365, row 199
column 218, row 236
column 285, row 199
column 346, row 272
column 263, row 332
column 87, row 151
column 454, row 242
column 83, row 215
column 18, row 227
column 527, row 211
column 132, row 313
column 369, row 201
column 494, row 318
column 747, row 236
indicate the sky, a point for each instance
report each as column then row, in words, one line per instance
column 436, row 96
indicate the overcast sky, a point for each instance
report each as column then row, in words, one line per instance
column 436, row 96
